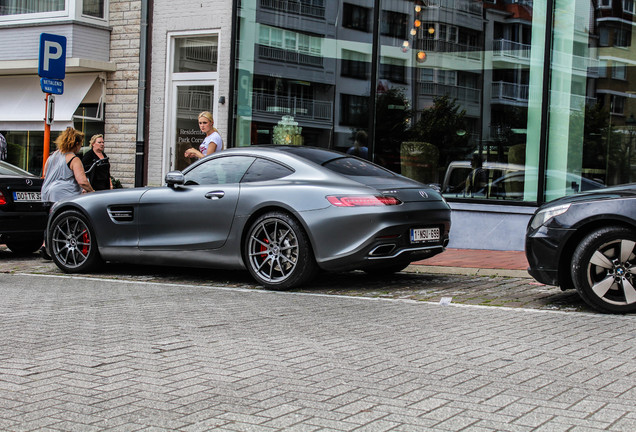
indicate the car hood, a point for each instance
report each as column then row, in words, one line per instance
column 622, row 191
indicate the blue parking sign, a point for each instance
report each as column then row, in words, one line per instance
column 52, row 58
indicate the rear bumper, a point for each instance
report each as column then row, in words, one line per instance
column 346, row 242
column 19, row 224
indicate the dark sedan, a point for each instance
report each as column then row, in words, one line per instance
column 587, row 242
column 22, row 213
column 281, row 212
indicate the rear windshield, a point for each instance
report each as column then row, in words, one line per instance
column 357, row 168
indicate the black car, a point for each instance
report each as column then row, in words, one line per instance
column 587, row 242
column 23, row 215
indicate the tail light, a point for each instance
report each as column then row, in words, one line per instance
column 363, row 200
column 3, row 200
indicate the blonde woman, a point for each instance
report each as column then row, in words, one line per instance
column 98, row 160
column 64, row 175
column 212, row 142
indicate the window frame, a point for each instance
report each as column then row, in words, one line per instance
column 73, row 9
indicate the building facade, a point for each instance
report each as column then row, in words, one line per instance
column 101, row 85
column 504, row 104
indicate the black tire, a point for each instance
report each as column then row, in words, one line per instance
column 72, row 244
column 385, row 269
column 277, row 252
column 602, row 267
column 26, row 245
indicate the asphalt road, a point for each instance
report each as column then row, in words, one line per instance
column 517, row 292
column 112, row 352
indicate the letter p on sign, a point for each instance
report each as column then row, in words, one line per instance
column 52, row 59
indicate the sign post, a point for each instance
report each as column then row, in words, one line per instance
column 52, row 70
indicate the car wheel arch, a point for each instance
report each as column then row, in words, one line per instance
column 69, row 206
column 285, row 263
column 568, row 248
column 606, row 284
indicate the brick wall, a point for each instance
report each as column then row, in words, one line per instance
column 122, row 89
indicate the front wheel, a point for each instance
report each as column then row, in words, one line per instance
column 72, row 244
column 277, row 252
column 604, row 269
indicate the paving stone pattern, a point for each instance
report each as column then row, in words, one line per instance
column 90, row 354
column 420, row 282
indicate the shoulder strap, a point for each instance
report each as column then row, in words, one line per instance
column 69, row 162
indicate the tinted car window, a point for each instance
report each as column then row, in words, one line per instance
column 356, row 167
column 221, row 170
column 263, row 169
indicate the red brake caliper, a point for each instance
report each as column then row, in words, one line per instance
column 263, row 249
column 86, row 242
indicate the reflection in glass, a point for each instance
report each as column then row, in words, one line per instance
column 191, row 101
column 196, row 54
column 461, row 89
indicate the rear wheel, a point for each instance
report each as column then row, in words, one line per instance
column 72, row 244
column 26, row 245
column 604, row 269
column 277, row 252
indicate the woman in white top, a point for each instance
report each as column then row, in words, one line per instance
column 212, row 142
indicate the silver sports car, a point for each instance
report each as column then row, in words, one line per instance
column 282, row 212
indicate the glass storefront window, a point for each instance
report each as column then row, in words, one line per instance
column 456, row 93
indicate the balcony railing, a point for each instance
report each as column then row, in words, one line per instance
column 431, row 46
column 587, row 65
column 287, row 105
column 286, row 56
column 194, row 101
column 201, row 53
column 510, row 49
column 505, row 91
column 294, row 7
column 462, row 94
column 471, row 7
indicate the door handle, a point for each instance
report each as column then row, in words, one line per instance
column 215, row 195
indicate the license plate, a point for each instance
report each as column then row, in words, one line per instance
column 26, row 196
column 424, row 234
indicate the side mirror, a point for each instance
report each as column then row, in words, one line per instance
column 174, row 178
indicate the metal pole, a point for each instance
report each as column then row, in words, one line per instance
column 47, row 133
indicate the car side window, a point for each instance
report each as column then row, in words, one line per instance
column 263, row 169
column 221, row 170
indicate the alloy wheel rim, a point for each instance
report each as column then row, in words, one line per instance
column 273, row 250
column 71, row 242
column 611, row 272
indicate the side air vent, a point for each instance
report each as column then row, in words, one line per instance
column 121, row 213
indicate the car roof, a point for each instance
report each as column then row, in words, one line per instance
column 317, row 155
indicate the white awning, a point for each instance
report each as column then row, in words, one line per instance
column 22, row 103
